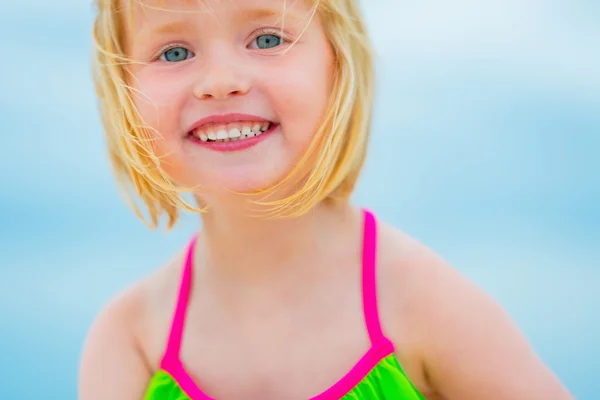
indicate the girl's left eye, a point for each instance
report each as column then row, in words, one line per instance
column 267, row 41
column 175, row 54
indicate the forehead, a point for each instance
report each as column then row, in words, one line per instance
column 141, row 13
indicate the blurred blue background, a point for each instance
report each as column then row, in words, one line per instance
column 486, row 144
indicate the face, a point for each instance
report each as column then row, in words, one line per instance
column 232, row 104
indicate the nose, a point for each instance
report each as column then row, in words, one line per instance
column 222, row 77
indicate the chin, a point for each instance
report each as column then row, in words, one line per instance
column 231, row 181
column 226, row 176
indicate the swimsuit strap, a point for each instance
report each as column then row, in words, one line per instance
column 369, row 291
column 174, row 343
column 369, row 281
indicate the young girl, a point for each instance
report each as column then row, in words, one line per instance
column 260, row 109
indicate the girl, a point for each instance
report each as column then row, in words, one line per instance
column 261, row 110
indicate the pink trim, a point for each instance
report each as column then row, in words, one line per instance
column 184, row 380
column 342, row 387
column 359, row 372
column 174, row 344
column 369, row 285
column 381, row 347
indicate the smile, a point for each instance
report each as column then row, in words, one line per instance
column 215, row 133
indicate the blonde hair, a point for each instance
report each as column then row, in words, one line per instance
column 336, row 154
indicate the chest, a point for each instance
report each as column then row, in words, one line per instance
column 271, row 371
column 270, row 350
column 275, row 355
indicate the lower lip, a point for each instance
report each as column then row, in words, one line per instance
column 237, row 145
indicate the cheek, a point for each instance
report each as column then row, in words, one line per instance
column 159, row 107
column 302, row 93
column 159, row 104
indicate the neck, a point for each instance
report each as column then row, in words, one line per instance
column 252, row 248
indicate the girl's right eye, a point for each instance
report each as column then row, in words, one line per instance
column 176, row 54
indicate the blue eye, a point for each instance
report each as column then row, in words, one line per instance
column 267, row 41
column 175, row 54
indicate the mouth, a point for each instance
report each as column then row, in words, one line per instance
column 230, row 132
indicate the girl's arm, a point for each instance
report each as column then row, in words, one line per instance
column 112, row 366
column 474, row 350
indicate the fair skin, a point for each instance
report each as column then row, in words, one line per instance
column 216, row 62
column 276, row 305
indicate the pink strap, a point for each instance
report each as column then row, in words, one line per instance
column 174, row 344
column 369, row 292
column 369, row 281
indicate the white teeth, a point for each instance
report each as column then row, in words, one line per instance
column 234, row 133
column 222, row 134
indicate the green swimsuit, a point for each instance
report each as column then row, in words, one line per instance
column 376, row 376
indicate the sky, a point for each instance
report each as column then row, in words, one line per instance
column 485, row 147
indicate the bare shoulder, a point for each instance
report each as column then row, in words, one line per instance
column 123, row 346
column 461, row 344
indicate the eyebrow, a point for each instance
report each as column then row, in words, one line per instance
column 264, row 13
column 258, row 13
column 169, row 27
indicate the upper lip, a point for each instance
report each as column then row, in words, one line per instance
column 226, row 119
